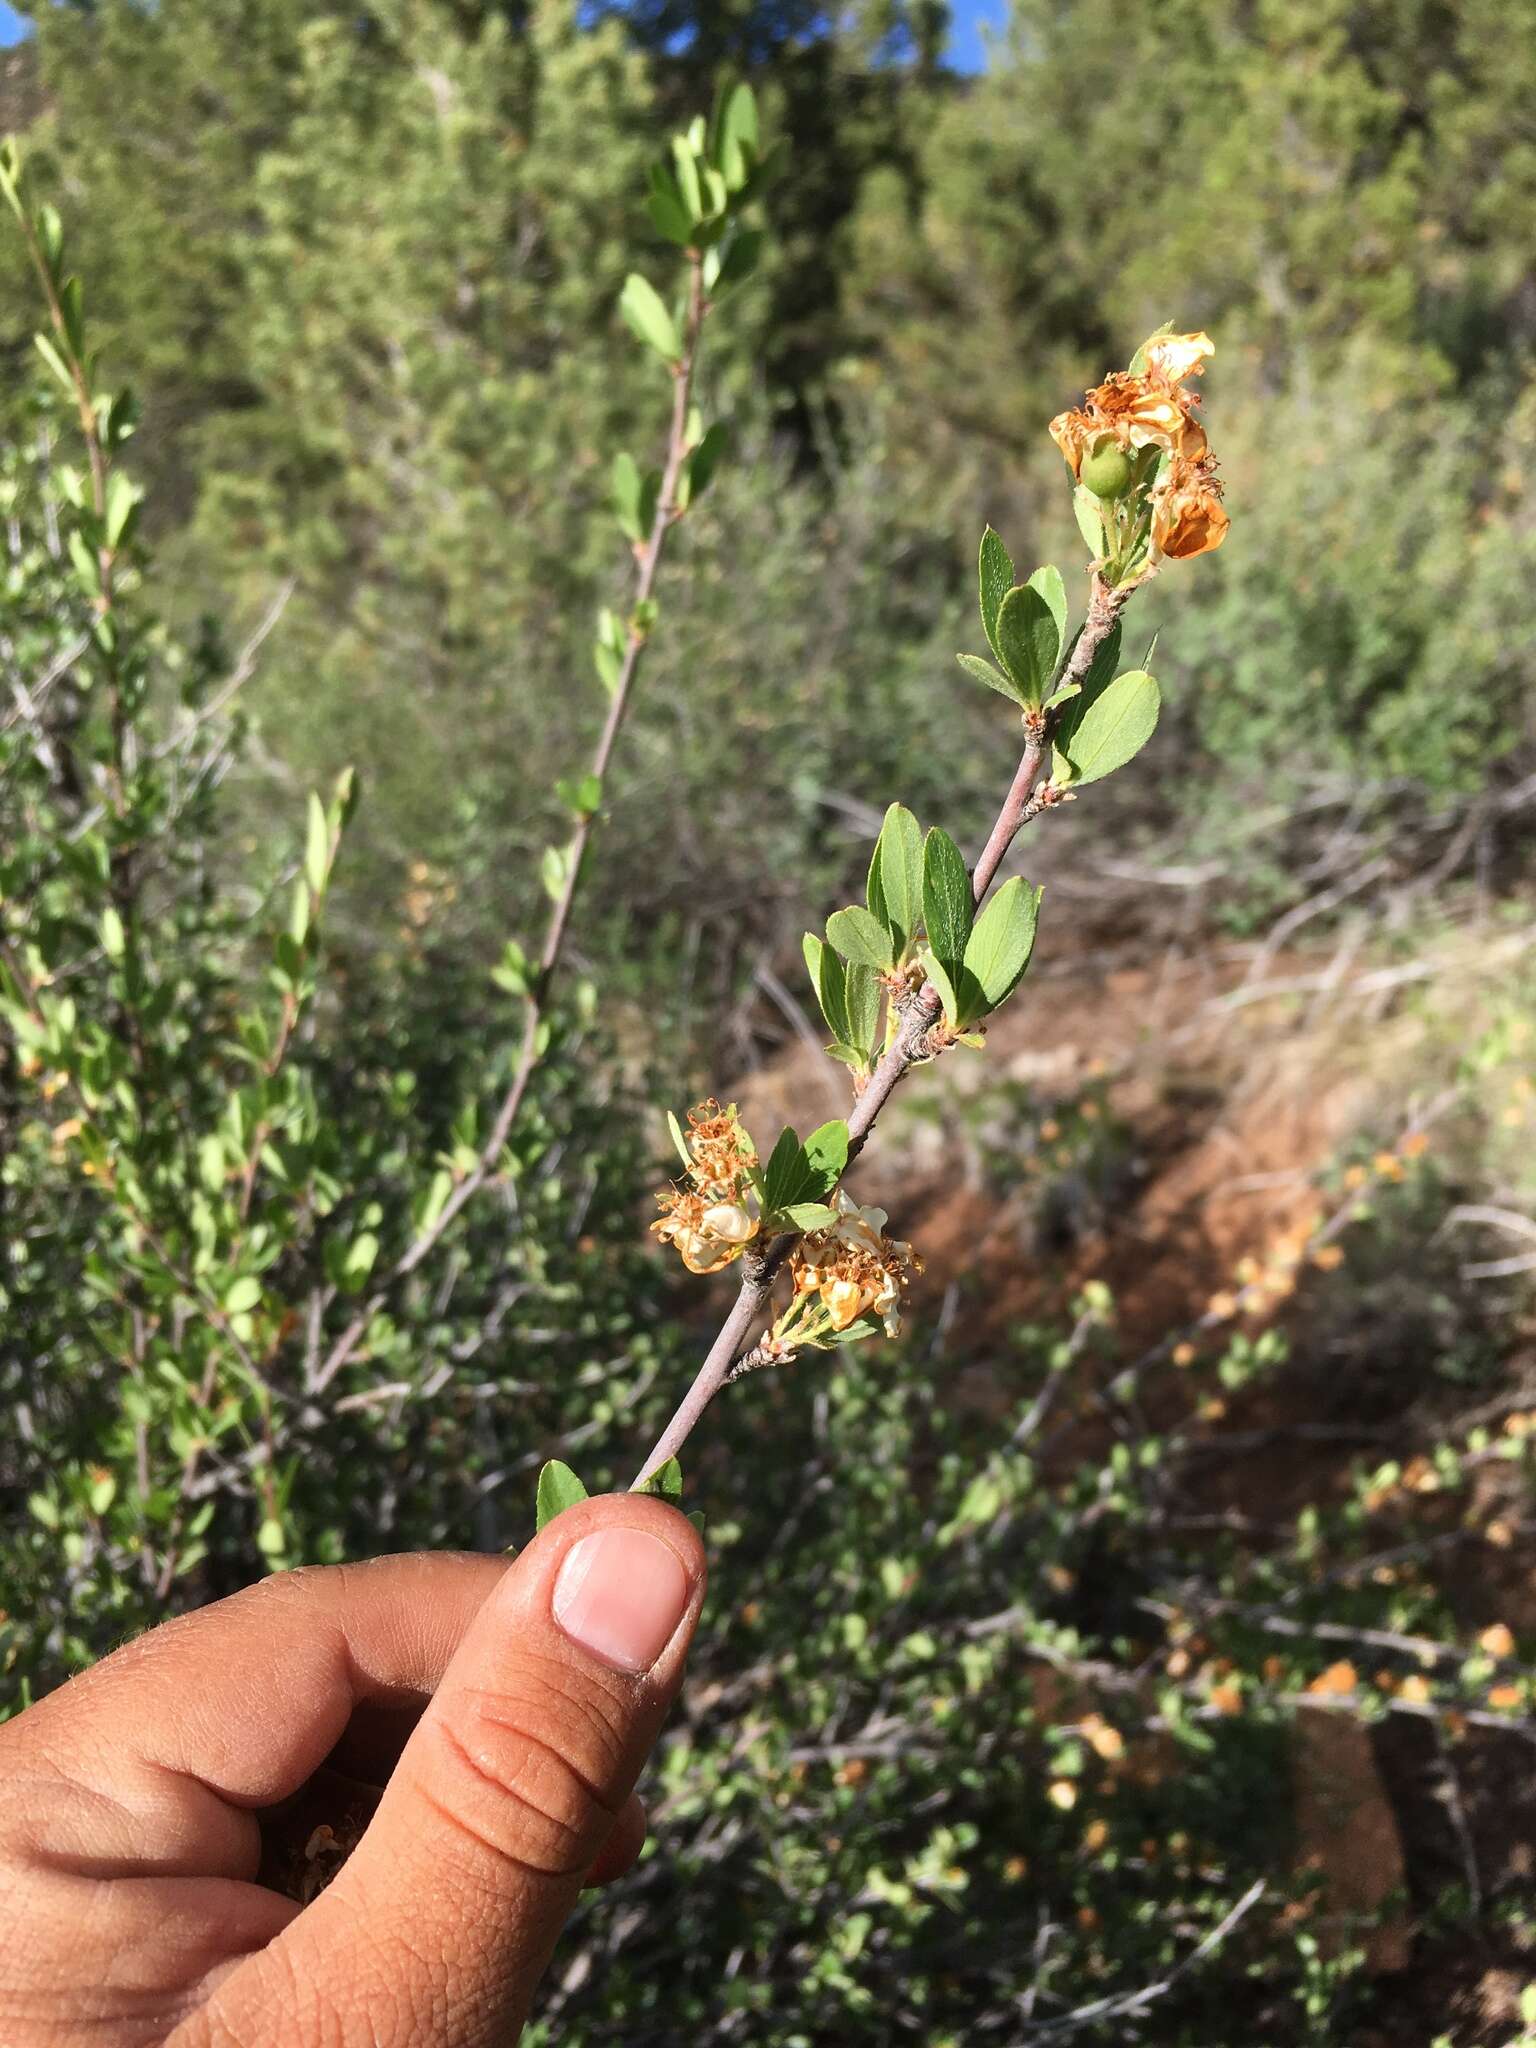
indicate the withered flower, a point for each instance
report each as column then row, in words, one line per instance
column 708, row 1235
column 712, row 1221
column 851, row 1269
column 1135, row 409
column 1137, row 445
column 1188, row 517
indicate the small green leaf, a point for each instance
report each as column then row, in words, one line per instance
column 735, row 136
column 784, row 1176
column 552, row 872
column 559, row 1489
column 940, row 978
column 1114, row 728
column 1101, row 673
column 647, row 318
column 55, row 362
column 984, row 672
column 829, row 979
column 947, row 903
column 666, row 1482
column 210, row 1162
column 669, row 216
column 113, row 937
column 680, row 1140
column 123, row 496
column 626, row 494
column 1027, row 641
column 862, row 990
column 705, row 459
column 582, row 794
column 895, row 887
column 1089, row 514
column 735, row 260
column 1047, row 582
column 996, row 578
column 998, row 951
column 826, row 1153
column 72, row 308
column 317, row 847
column 243, row 1295
column 686, row 172
column 809, row 1215
column 861, row 938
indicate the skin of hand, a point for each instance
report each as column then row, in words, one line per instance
column 505, row 1710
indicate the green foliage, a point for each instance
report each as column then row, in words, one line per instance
column 558, row 1489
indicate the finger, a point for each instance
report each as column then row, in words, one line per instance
column 622, row 1849
column 514, row 1779
column 156, row 1756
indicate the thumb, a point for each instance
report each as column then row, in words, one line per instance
column 440, row 1925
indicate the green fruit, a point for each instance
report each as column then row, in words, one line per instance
column 1108, row 471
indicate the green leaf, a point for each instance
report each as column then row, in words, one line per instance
column 860, row 937
column 1089, row 514
column 626, row 494
column 735, row 260
column 829, row 979
column 1027, row 641
column 1114, row 728
column 996, row 577
column 669, row 216
column 113, row 937
column 1101, row 673
column 243, row 1295
column 784, row 1176
column 735, row 136
column 687, row 175
column 810, row 1215
column 647, row 318
column 122, row 502
column 939, row 976
column 998, row 950
column 552, row 872
column 210, row 1162
column 705, row 459
column 984, row 672
column 895, row 888
column 862, row 986
column 72, row 308
column 559, row 1489
column 582, row 794
column 947, row 903
column 55, row 362
column 1049, row 585
column 680, row 1140
column 317, row 846
column 826, row 1153
column 666, row 1482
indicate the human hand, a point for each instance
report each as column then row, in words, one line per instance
column 506, row 1710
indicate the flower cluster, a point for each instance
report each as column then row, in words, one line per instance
column 712, row 1220
column 842, row 1275
column 1137, row 438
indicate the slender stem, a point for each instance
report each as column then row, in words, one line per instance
column 649, row 561
column 1105, row 604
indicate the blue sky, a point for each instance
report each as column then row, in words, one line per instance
column 965, row 45
column 966, row 49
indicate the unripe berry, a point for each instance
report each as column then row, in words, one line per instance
column 1107, row 472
